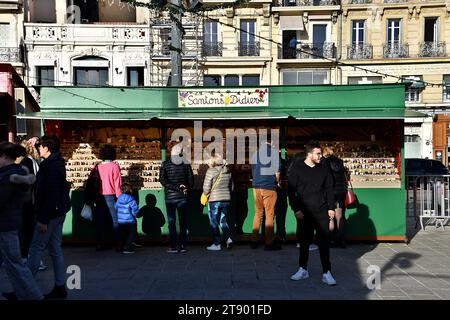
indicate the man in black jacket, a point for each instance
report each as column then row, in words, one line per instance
column 177, row 179
column 52, row 204
column 311, row 192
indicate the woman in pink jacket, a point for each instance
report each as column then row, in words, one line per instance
column 111, row 183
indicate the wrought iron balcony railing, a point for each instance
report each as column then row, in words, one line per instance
column 359, row 1
column 301, row 3
column 358, row 51
column 212, row 49
column 395, row 50
column 432, row 49
column 395, row 1
column 8, row 54
column 308, row 51
column 248, row 48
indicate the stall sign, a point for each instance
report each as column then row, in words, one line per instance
column 249, row 97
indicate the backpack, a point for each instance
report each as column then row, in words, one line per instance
column 92, row 187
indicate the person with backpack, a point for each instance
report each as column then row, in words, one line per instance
column 340, row 186
column 52, row 204
column 14, row 183
column 217, row 186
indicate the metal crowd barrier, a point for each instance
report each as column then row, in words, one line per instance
column 428, row 199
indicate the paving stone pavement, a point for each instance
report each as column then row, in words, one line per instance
column 418, row 270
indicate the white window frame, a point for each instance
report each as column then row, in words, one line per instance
column 357, row 23
column 392, row 31
column 327, row 71
column 413, row 95
column 435, row 31
column 247, row 35
column 328, row 30
column 218, row 32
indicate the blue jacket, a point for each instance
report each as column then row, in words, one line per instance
column 127, row 209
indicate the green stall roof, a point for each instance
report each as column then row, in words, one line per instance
column 371, row 101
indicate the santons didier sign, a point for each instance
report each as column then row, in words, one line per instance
column 248, row 97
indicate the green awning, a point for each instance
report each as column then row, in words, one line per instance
column 223, row 115
column 415, row 114
column 88, row 116
column 348, row 114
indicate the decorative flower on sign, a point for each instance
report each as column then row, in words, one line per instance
column 262, row 93
column 183, row 95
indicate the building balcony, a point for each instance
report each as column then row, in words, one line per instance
column 395, row 50
column 248, row 49
column 10, row 4
column 432, row 49
column 212, row 49
column 162, row 51
column 359, row 1
column 86, row 33
column 305, row 3
column 10, row 55
column 395, row 1
column 358, row 51
column 308, row 51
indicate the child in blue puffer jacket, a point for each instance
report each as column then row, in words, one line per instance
column 127, row 211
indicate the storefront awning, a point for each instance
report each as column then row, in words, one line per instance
column 223, row 115
column 415, row 114
column 350, row 114
column 84, row 116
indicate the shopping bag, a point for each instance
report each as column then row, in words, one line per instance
column 86, row 212
column 331, row 225
column 350, row 199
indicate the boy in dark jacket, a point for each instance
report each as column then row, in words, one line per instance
column 14, row 182
column 177, row 179
column 52, row 204
column 127, row 212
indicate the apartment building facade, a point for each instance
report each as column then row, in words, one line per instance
column 408, row 39
column 11, row 33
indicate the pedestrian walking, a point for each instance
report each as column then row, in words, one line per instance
column 311, row 185
column 52, row 204
column 14, row 184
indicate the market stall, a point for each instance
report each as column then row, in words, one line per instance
column 363, row 122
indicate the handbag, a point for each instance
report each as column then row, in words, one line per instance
column 350, row 198
column 86, row 212
column 93, row 186
column 204, row 198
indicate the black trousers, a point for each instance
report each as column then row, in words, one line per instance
column 320, row 223
column 128, row 234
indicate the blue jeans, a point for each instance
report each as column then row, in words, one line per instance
column 50, row 239
column 105, row 208
column 19, row 275
column 218, row 211
column 180, row 206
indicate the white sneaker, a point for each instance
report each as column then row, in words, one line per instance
column 214, row 247
column 298, row 245
column 300, row 274
column 328, row 279
column 42, row 266
column 229, row 243
column 313, row 247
